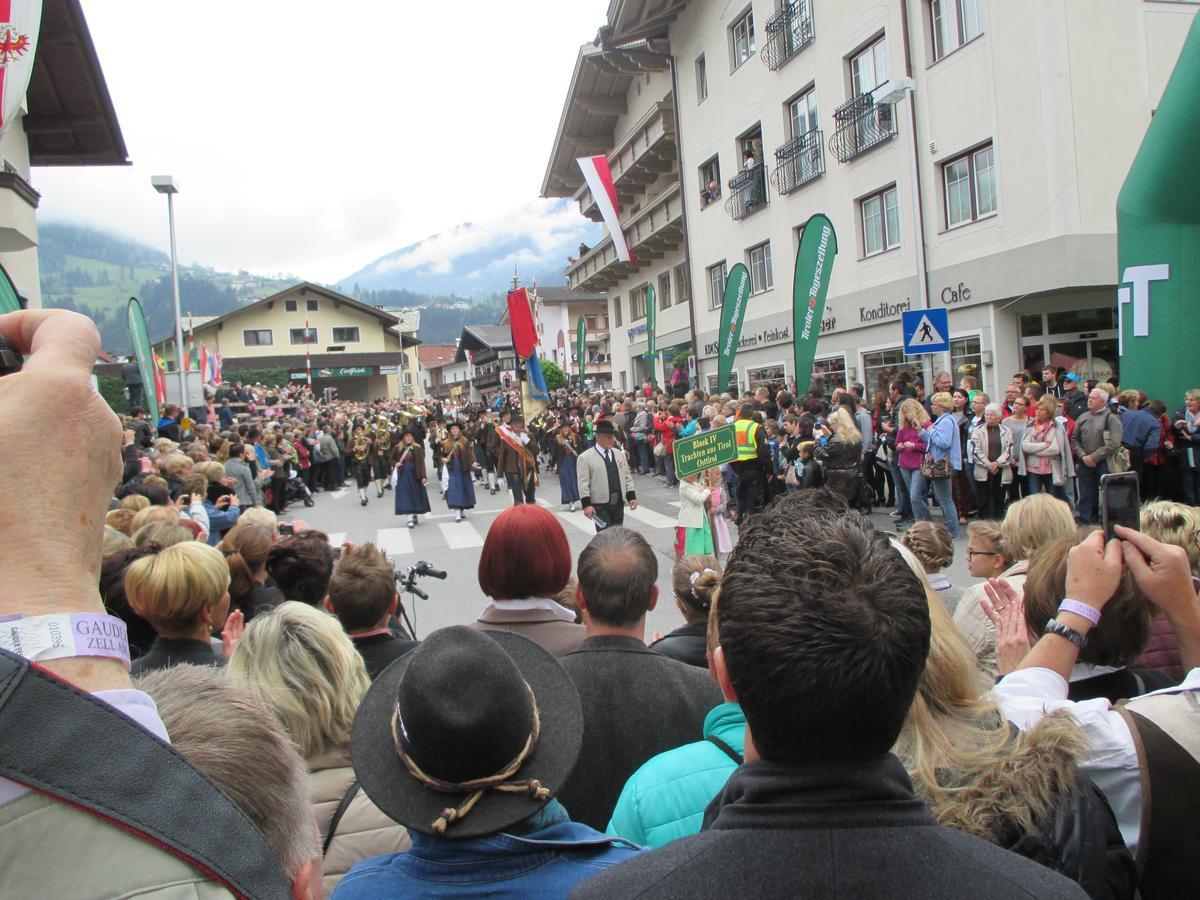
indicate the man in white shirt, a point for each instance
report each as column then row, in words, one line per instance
column 605, row 482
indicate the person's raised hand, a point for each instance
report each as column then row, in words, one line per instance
column 1161, row 570
column 1004, row 605
column 54, row 424
column 1094, row 570
column 235, row 627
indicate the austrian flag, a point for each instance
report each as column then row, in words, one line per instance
column 599, row 179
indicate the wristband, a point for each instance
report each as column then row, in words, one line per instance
column 40, row 639
column 1081, row 609
column 1065, row 631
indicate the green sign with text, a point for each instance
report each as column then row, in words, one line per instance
column 705, row 450
column 343, row 372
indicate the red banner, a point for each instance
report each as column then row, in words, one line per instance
column 520, row 317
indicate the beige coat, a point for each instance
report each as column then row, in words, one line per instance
column 977, row 627
column 542, row 627
column 692, row 495
column 592, row 474
column 979, row 458
column 363, row 831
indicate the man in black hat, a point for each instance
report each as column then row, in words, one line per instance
column 464, row 741
column 605, row 482
column 516, row 457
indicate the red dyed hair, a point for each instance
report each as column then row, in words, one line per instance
column 525, row 555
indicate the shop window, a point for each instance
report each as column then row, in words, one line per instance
column 1101, row 319
column 966, row 358
column 716, row 284
column 765, row 376
column 1031, row 324
column 257, row 337
column 758, row 259
column 711, row 381
column 683, row 285
column 881, row 367
column 831, row 374
column 969, row 186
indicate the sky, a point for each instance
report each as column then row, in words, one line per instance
column 311, row 138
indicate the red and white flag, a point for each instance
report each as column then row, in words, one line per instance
column 599, row 179
column 19, row 23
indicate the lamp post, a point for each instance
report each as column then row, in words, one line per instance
column 165, row 184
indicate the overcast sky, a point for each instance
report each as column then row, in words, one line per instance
column 312, row 138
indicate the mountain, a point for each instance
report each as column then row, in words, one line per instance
column 476, row 259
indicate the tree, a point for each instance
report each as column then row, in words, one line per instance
column 553, row 375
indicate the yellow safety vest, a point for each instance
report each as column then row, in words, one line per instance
column 745, row 431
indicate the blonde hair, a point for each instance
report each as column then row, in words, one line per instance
column 170, row 589
column 174, row 463
column 694, row 580
column 304, row 672
column 942, row 400
column 1049, row 403
column 931, row 544
column 990, row 533
column 135, row 502
column 152, row 514
column 164, row 445
column 258, row 515
column 121, row 520
column 212, row 470
column 842, row 425
column 1174, row 523
column 165, row 534
column 912, row 414
column 1034, row 521
column 115, row 540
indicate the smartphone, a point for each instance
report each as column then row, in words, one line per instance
column 1118, row 501
column 287, row 528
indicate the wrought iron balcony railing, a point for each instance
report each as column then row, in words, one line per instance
column 789, row 31
column 798, row 162
column 861, row 124
column 747, row 192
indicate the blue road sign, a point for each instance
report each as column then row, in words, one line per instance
column 926, row 331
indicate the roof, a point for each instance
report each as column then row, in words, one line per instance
column 483, row 337
column 305, row 287
column 71, row 120
column 410, row 319
column 562, row 294
column 631, row 19
column 433, row 355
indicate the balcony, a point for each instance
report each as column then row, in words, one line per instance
column 647, row 152
column 747, row 192
column 18, row 202
column 798, row 162
column 652, row 232
column 789, row 31
column 861, row 124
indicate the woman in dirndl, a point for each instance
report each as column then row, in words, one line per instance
column 570, row 444
column 693, row 533
column 458, row 460
column 409, row 470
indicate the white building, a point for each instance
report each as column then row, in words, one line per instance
column 989, row 189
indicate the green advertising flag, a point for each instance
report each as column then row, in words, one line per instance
column 810, row 284
column 581, row 347
column 1158, row 245
column 139, row 338
column 733, row 311
column 651, row 312
column 705, row 450
column 10, row 301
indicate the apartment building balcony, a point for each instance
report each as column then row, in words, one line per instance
column 789, row 31
column 652, row 232
column 18, row 218
column 747, row 192
column 799, row 161
column 862, row 124
column 645, row 154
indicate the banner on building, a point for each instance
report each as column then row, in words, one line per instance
column 810, row 284
column 599, row 180
column 139, row 340
column 10, row 300
column 581, row 348
column 651, row 350
column 19, row 23
column 733, row 312
column 1158, row 244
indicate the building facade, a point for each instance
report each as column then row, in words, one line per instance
column 968, row 152
column 354, row 348
column 556, row 312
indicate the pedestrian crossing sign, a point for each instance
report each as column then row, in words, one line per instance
column 926, row 331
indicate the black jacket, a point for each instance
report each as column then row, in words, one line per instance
column 688, row 644
column 166, row 652
column 636, row 704
column 831, row 830
column 380, row 650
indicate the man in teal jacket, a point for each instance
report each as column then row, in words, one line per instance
column 664, row 800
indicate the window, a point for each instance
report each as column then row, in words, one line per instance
column 966, row 359
column 762, row 277
column 311, row 305
column 710, row 181
column 969, row 183
column 802, row 113
column 664, row 290
column 683, row 284
column 701, row 79
column 291, row 305
column 637, row 303
column 880, row 215
column 302, row 335
column 764, row 377
column 829, row 373
column 742, row 38
column 347, row 335
column 591, row 322
column 716, row 284
column 869, row 67
column 617, row 309
column 881, row 367
column 732, row 387
column 952, row 23
column 257, row 337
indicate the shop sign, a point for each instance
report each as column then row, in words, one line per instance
column 341, row 372
column 635, row 332
column 951, row 295
column 883, row 311
column 705, row 450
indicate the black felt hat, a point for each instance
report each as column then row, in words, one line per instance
column 461, row 707
column 605, row 426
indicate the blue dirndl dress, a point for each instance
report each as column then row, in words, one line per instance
column 460, row 494
column 568, row 480
column 410, row 493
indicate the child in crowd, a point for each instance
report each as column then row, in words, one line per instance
column 693, row 533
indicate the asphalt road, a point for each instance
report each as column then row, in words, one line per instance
column 455, row 547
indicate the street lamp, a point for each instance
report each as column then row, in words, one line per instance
column 165, row 184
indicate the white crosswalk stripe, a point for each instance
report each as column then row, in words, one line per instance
column 460, row 535
column 578, row 520
column 336, row 540
column 647, row 516
column 394, row 541
column 338, row 495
